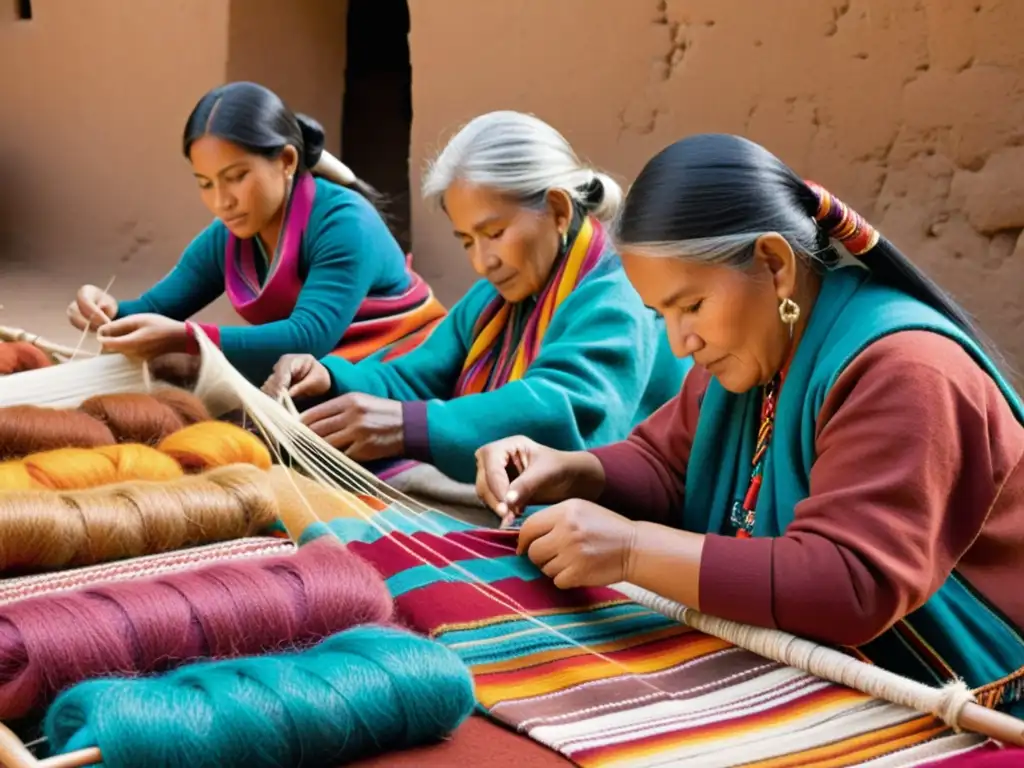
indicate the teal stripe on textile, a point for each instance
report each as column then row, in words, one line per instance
column 558, row 620
column 522, row 638
column 350, row 529
column 488, row 571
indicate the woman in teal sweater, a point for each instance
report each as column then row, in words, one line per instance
column 552, row 342
column 308, row 263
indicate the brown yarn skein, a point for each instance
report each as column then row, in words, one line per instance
column 145, row 418
column 18, row 356
column 26, row 429
column 57, row 529
column 100, row 420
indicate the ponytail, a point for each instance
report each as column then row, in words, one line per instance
column 887, row 263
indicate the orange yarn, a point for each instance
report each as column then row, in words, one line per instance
column 18, row 356
column 67, row 469
column 215, row 444
column 195, row 448
column 14, row 476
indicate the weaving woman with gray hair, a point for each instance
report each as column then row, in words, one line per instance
column 846, row 462
column 553, row 342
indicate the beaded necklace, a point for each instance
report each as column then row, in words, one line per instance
column 744, row 512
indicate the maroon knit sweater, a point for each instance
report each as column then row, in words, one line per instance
column 919, row 470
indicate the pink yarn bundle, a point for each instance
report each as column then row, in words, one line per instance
column 218, row 611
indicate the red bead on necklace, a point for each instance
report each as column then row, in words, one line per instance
column 744, row 512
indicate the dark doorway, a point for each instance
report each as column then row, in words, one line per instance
column 377, row 109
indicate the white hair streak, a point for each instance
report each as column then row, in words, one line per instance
column 718, row 250
column 520, row 155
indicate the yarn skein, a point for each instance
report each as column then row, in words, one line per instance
column 146, row 418
column 214, row 444
column 57, row 529
column 18, row 356
column 361, row 692
column 225, row 610
column 101, row 420
column 195, row 448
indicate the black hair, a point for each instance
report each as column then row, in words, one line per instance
column 257, row 119
column 718, row 186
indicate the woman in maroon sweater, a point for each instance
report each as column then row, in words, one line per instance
column 844, row 464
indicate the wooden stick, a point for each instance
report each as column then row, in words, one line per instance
column 8, row 333
column 82, row 757
column 14, row 754
column 997, row 725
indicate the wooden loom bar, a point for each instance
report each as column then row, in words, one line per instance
column 13, row 753
column 7, row 333
column 82, row 757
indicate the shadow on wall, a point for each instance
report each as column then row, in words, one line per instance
column 377, row 109
column 15, row 254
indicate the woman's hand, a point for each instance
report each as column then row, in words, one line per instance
column 144, row 336
column 91, row 308
column 513, row 473
column 579, row 544
column 299, row 376
column 363, row 426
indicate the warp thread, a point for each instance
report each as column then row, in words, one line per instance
column 358, row 693
column 195, row 448
column 18, row 356
column 57, row 529
column 217, row 611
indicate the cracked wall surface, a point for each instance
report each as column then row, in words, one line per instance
column 912, row 111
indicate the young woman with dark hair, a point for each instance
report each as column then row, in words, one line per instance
column 307, row 262
column 846, row 461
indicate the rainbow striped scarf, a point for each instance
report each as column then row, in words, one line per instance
column 497, row 356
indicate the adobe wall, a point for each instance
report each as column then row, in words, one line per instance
column 93, row 100
column 913, row 112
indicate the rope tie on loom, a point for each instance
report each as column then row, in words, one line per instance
column 195, row 448
column 360, row 692
column 224, row 610
column 842, row 223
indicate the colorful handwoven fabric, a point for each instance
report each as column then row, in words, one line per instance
column 658, row 694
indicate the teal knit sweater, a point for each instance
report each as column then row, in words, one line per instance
column 604, row 365
column 347, row 254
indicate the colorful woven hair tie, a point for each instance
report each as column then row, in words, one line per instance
column 842, row 223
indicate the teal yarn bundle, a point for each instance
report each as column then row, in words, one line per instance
column 360, row 692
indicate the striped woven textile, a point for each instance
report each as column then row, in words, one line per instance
column 659, row 693
column 23, row 587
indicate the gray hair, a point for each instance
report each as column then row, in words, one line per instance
column 522, row 156
column 735, row 250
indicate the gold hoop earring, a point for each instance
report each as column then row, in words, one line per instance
column 789, row 313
